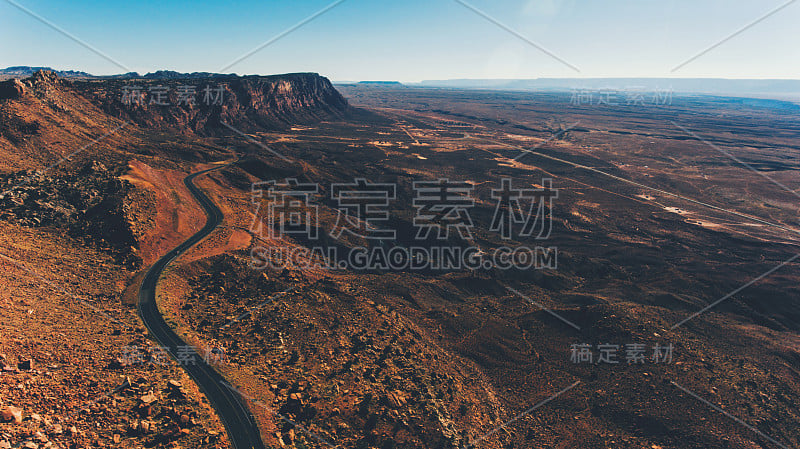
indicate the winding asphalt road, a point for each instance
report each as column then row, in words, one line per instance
column 239, row 422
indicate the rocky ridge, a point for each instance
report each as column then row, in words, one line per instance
column 250, row 103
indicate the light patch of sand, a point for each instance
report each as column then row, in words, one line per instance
column 379, row 143
column 584, row 203
column 522, row 138
column 675, row 210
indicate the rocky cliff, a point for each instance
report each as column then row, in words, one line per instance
column 203, row 105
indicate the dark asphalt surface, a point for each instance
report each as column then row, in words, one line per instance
column 239, row 422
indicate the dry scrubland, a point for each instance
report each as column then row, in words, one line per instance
column 651, row 226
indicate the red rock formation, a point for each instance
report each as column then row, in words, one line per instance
column 11, row 89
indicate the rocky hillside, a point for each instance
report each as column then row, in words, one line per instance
column 190, row 105
column 44, row 118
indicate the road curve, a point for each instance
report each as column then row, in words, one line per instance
column 241, row 426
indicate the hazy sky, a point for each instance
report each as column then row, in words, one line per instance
column 410, row 40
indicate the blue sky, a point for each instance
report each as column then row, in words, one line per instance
column 411, row 40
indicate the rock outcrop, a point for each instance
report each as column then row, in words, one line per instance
column 40, row 82
column 11, row 89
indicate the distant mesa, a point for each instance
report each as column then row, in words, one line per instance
column 170, row 74
column 129, row 75
column 28, row 71
column 712, row 86
column 23, row 71
column 381, row 83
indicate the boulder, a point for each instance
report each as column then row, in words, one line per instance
column 11, row 89
column 11, row 414
column 148, row 399
column 395, row 399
